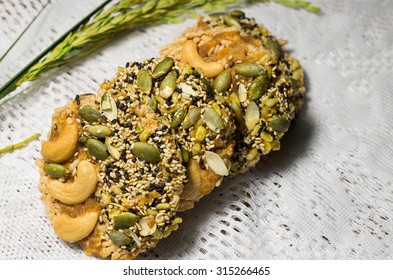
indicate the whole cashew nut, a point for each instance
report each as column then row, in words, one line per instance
column 61, row 145
column 78, row 191
column 74, row 229
column 190, row 55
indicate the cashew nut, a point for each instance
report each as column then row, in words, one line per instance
column 74, row 229
column 62, row 144
column 78, row 191
column 190, row 55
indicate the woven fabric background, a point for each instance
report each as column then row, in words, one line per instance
column 328, row 194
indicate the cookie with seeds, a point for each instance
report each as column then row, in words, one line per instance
column 117, row 193
column 198, row 117
column 266, row 87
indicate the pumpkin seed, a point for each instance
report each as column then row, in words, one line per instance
column 242, row 91
column 266, row 136
column 99, row 131
column 119, row 238
column 231, row 21
column 274, row 46
column 163, row 206
column 200, row 133
column 212, row 119
column 222, row 82
column 256, row 129
column 187, row 89
column 217, row 108
column 146, row 152
column 279, row 123
column 97, row 149
column 151, row 102
column 162, row 68
column 196, row 149
column 207, row 86
column 192, row 117
column 216, row 163
column 192, row 186
column 185, row 154
column 270, row 102
column 234, row 103
column 55, row 170
column 125, row 220
column 135, row 238
column 178, row 117
column 148, row 226
column 108, row 106
column 89, row 113
column 144, row 135
column 168, row 85
column 114, row 152
column 237, row 14
column 258, row 87
column 252, row 154
column 144, row 81
column 252, row 116
column 249, row 69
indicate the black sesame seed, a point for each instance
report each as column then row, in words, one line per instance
column 186, row 76
column 231, row 64
column 127, row 64
column 202, row 164
column 77, row 100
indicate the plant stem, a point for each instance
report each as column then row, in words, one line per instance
column 19, row 145
column 12, row 84
column 24, row 31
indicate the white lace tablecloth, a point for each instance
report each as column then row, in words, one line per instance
column 328, row 194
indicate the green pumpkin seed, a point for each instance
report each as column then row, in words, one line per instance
column 125, row 220
column 250, row 69
column 231, row 21
column 196, row 149
column 163, row 206
column 146, row 152
column 216, row 163
column 242, row 92
column 178, row 117
column 97, row 149
column 234, row 103
column 252, row 116
column 252, row 154
column 108, row 107
column 192, row 117
column 258, row 87
column 55, row 170
column 151, row 102
column 89, row 113
column 222, row 82
column 200, row 133
column 274, row 46
column 238, row 14
column 213, row 120
column 168, row 85
column 119, row 238
column 99, row 131
column 266, row 137
column 185, row 154
column 279, row 123
column 144, row 80
column 207, row 86
column 162, row 68
column 114, row 152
